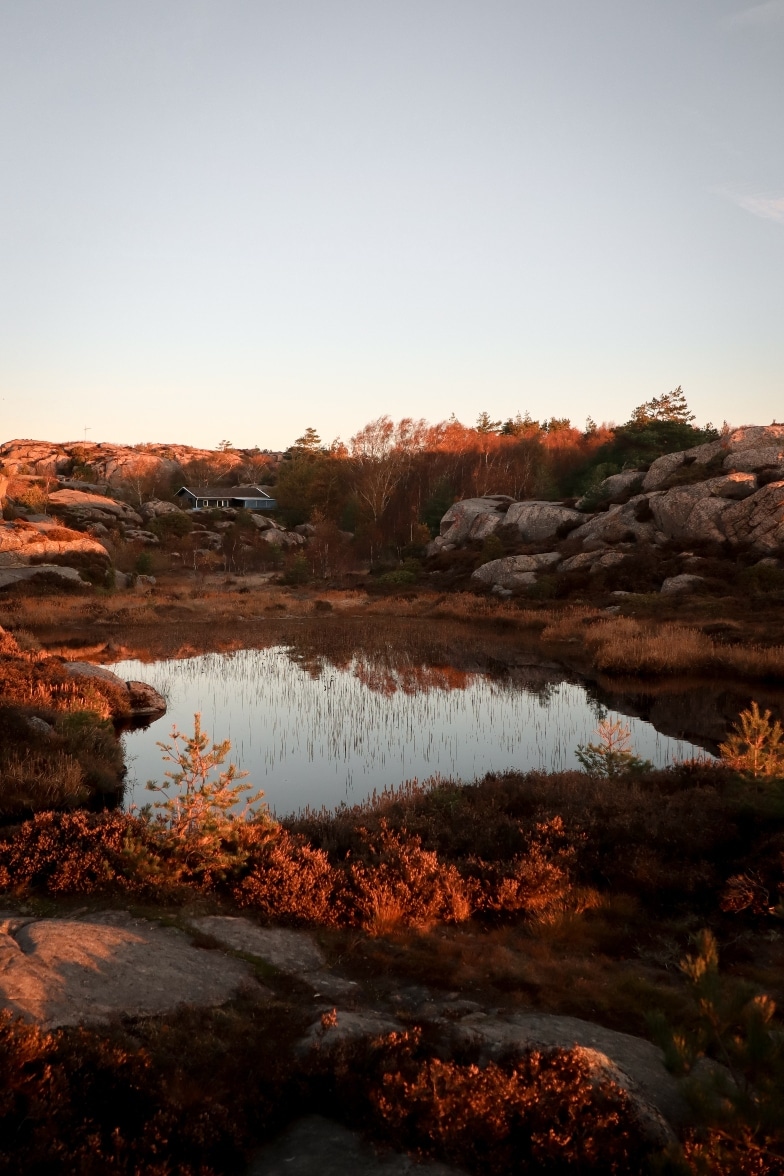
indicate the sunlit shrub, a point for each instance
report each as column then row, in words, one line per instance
column 546, row 1112
column 612, row 756
column 755, row 746
column 291, row 881
column 402, row 884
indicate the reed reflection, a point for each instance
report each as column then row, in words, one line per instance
column 312, row 733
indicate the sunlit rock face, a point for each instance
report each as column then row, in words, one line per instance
column 23, row 542
column 86, row 505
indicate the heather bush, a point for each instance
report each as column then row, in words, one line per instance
column 291, row 881
column 542, row 1112
column 186, row 1094
column 71, row 853
column 402, row 884
column 545, row 1113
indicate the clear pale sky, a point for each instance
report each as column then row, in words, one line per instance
column 237, row 218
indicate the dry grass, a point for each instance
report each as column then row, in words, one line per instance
column 626, row 646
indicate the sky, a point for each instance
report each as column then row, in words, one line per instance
column 233, row 219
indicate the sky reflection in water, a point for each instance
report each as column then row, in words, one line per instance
column 314, row 734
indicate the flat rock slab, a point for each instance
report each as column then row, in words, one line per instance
column 70, row 971
column 320, row 1147
column 292, row 952
column 11, row 575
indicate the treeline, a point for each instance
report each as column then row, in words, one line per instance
column 392, row 482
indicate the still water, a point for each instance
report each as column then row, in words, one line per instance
column 315, row 733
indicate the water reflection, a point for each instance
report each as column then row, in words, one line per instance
column 313, row 732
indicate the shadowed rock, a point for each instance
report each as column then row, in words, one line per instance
column 320, row 1147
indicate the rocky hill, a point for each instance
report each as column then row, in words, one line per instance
column 106, row 462
column 721, row 500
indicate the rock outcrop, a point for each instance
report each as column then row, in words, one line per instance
column 24, row 542
column 143, row 700
column 541, row 522
column 472, row 518
column 95, row 507
column 515, row 571
column 721, row 497
column 10, row 576
column 90, row 970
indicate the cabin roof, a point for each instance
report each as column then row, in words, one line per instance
column 226, row 491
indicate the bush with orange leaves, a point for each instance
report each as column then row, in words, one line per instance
column 70, row 853
column 540, row 1112
column 291, row 881
column 536, row 881
column 545, row 1113
column 400, row 883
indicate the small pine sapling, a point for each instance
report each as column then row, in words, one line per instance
column 755, row 746
column 200, row 819
column 613, row 755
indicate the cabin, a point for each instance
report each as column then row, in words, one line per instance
column 238, row 497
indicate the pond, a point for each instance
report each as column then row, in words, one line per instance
column 314, row 730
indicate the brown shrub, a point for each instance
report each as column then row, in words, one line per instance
column 546, row 1113
column 71, row 853
column 185, row 1095
column 402, row 884
column 291, row 881
column 536, row 882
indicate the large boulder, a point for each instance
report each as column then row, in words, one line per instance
column 277, row 538
column 613, row 491
column 750, row 439
column 11, row 575
column 145, row 699
column 628, row 523
column 134, row 535
column 664, row 467
column 689, row 514
column 78, row 501
column 142, row 699
column 732, row 485
column 592, row 561
column 457, row 523
column 541, row 522
column 758, row 520
column 515, row 571
column 157, row 507
column 678, row 585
